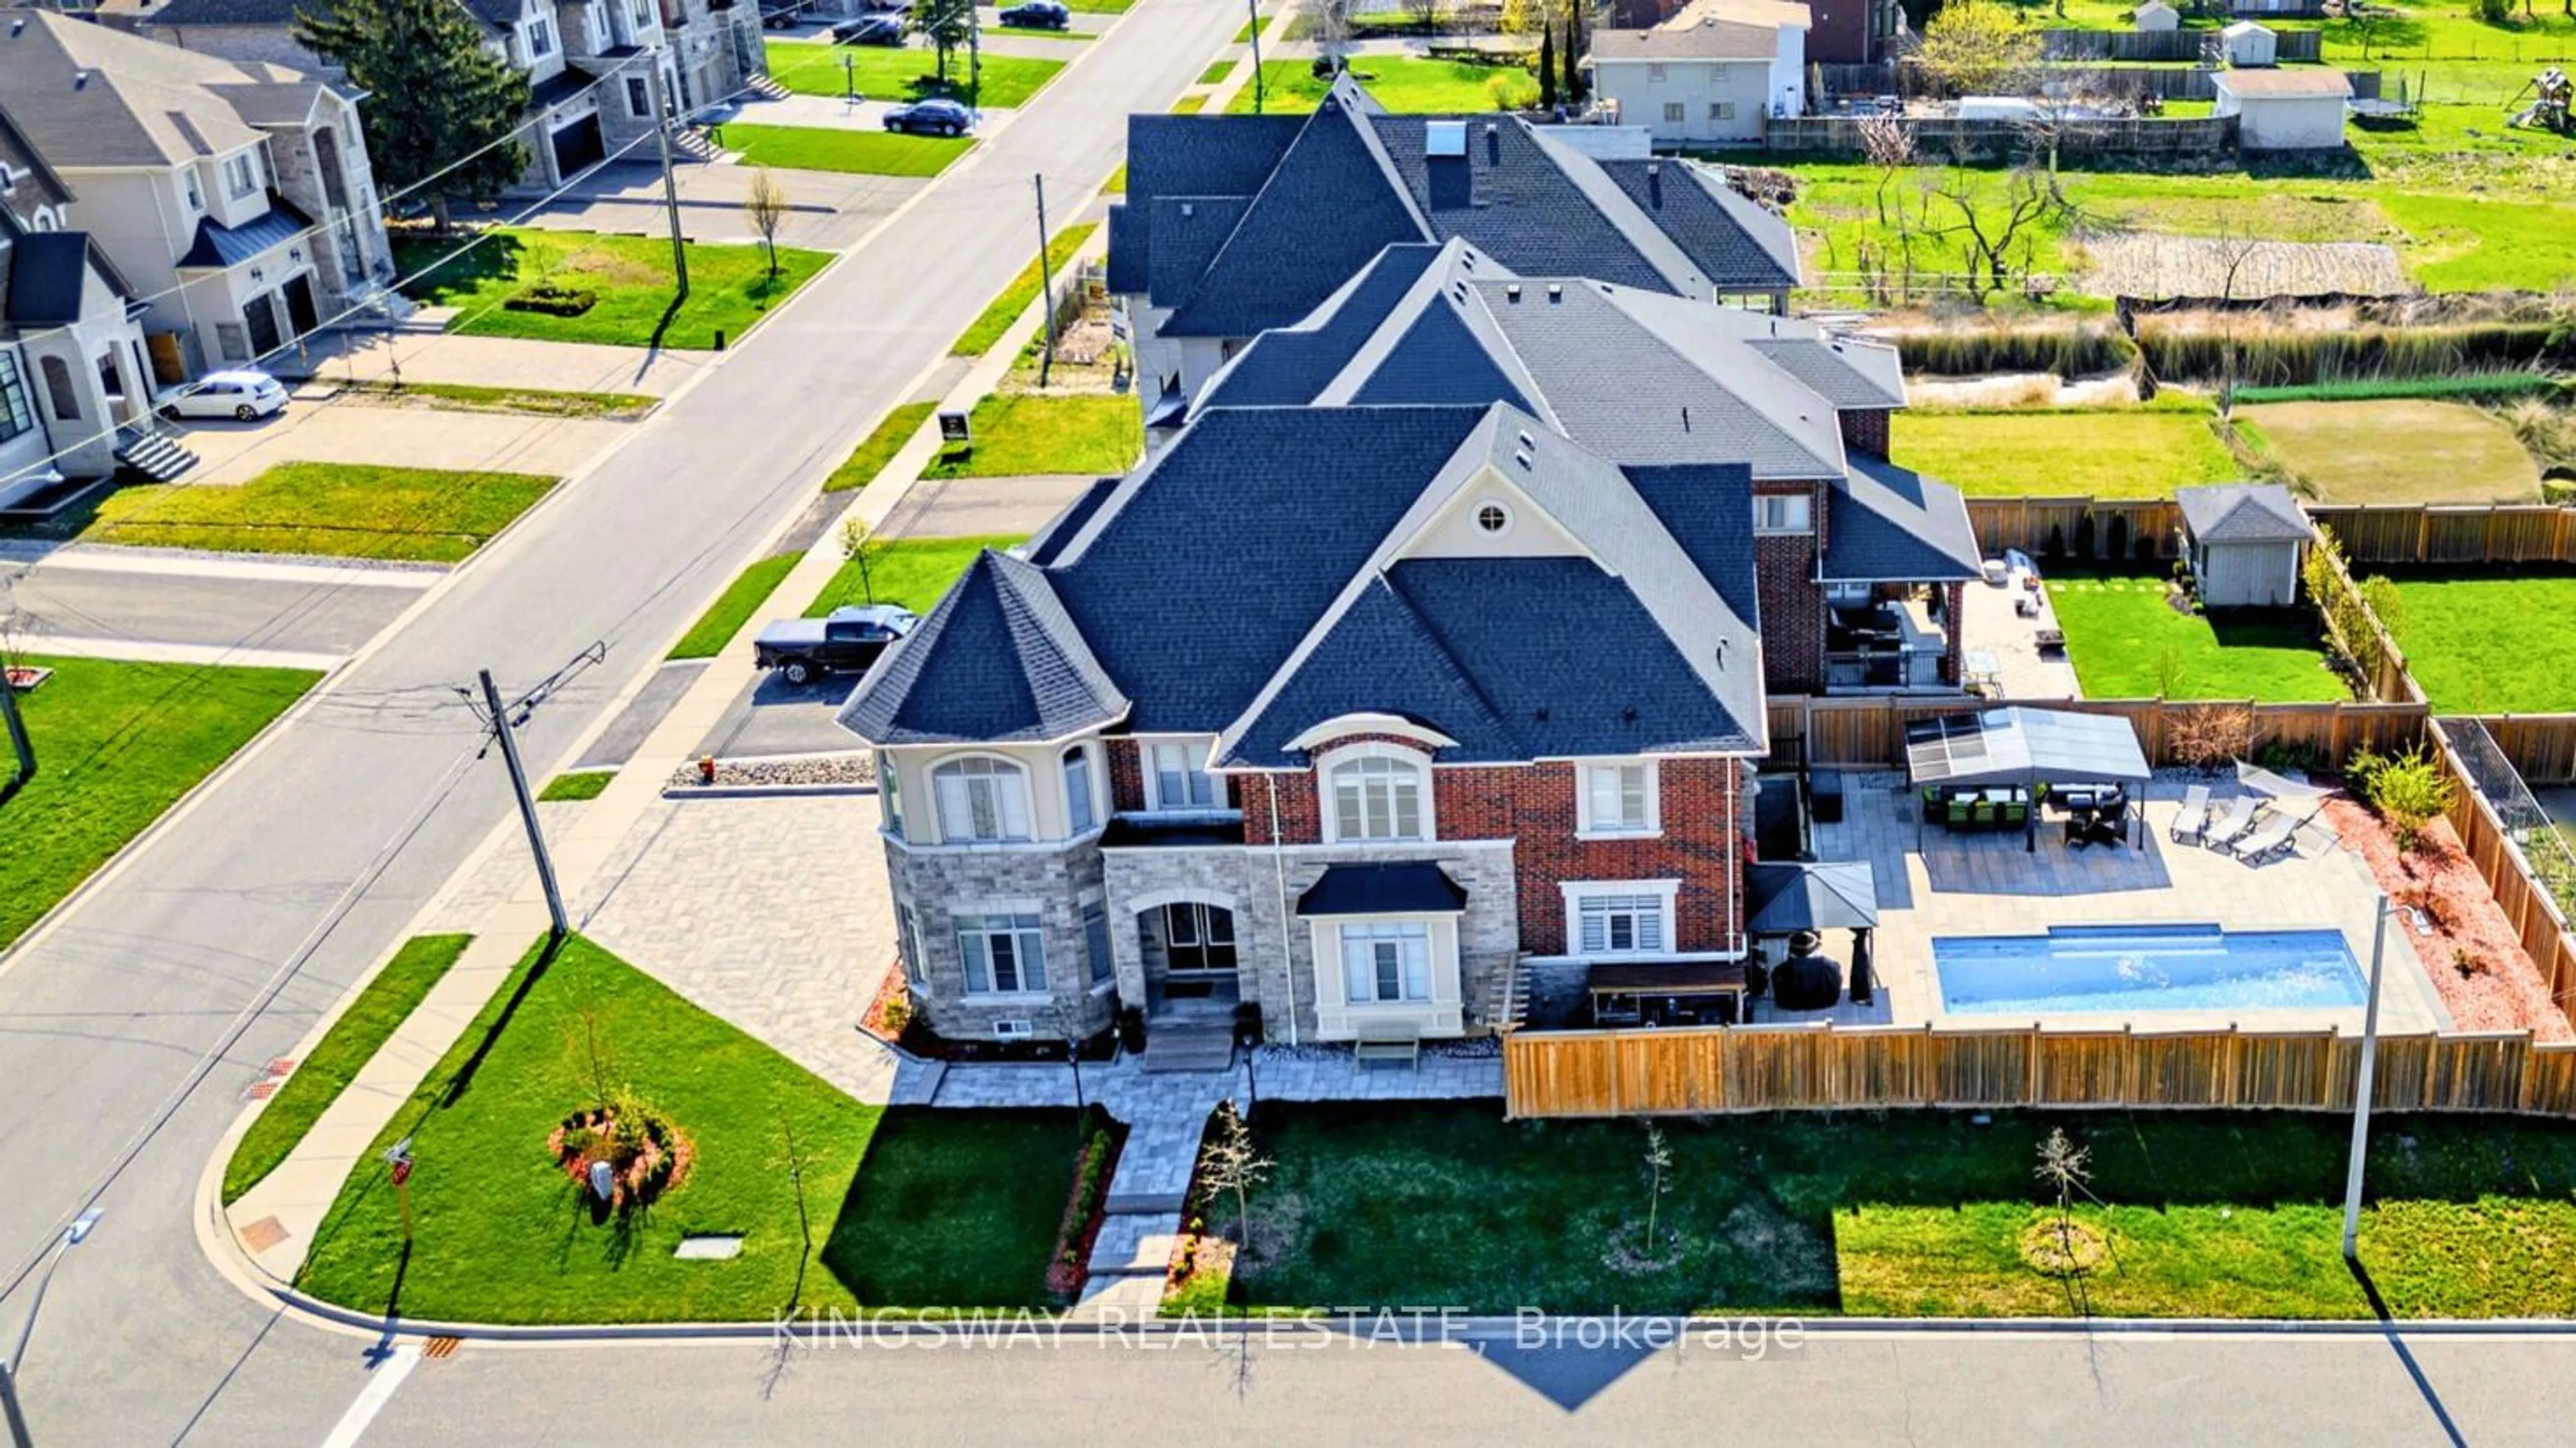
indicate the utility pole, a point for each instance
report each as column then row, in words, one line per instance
column 15, row 1415
column 2362, row 1090
column 12, row 1412
column 975, row 57
column 670, row 187
column 527, row 803
column 1255, row 7
column 1046, row 286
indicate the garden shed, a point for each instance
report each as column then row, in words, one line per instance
column 2250, row 44
column 2157, row 15
column 2246, row 542
column 2300, row 109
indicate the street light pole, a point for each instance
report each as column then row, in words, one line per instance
column 1255, row 7
column 2362, row 1089
column 12, row 1411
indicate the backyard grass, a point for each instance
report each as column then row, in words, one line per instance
column 913, row 572
column 733, row 608
column 335, row 1060
column 116, row 744
column 878, row 448
column 521, row 401
column 949, row 1208
column 2493, row 643
column 1021, row 433
column 1903, row 1213
column 2398, row 450
column 2471, row 245
column 2119, row 627
column 577, row 786
column 1015, row 298
column 910, row 73
column 1400, row 83
column 637, row 301
column 344, row 510
column 2102, row 454
column 864, row 153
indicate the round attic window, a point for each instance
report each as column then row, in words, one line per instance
column 1494, row 518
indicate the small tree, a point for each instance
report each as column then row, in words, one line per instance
column 1978, row 48
column 1234, row 1164
column 1658, row 1165
column 1887, row 143
column 2067, row 1168
column 2210, row 735
column 435, row 96
column 1576, row 87
column 1515, row 17
column 946, row 24
column 2408, row 790
column 2168, row 672
column 766, row 205
column 860, row 545
column 1547, row 67
column 1330, row 22
column 1425, row 14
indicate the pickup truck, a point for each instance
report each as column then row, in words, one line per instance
column 848, row 640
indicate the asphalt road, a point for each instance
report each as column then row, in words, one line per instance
column 112, row 607
column 104, row 1019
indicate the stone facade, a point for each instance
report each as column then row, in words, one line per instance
column 938, row 885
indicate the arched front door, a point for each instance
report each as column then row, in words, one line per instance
column 1189, row 955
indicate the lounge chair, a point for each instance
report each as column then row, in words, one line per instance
column 2273, row 838
column 2232, row 822
column 2192, row 820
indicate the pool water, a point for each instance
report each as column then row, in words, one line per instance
column 2145, row 968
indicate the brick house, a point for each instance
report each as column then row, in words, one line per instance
column 1350, row 713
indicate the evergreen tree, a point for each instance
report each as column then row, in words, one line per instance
column 434, row 95
column 1574, row 91
column 1547, row 67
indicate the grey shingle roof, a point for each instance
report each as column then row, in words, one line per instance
column 2243, row 513
column 1043, row 545
column 1846, row 371
column 178, row 13
column 1741, row 245
column 84, row 95
column 1885, row 524
column 1535, row 205
column 998, row 659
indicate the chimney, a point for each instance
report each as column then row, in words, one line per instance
column 1655, row 184
column 1493, row 144
column 1555, row 294
column 1512, row 294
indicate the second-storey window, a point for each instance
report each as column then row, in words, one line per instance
column 1781, row 513
column 1618, row 799
column 1180, row 778
column 1004, row 954
column 981, row 799
column 1077, row 791
column 541, row 38
column 241, row 176
column 1377, row 798
column 907, row 943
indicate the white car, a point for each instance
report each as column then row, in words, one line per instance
column 241, row 396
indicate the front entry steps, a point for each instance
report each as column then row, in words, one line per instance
column 1189, row 1046
column 156, row 457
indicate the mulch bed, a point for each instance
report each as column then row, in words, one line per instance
column 2502, row 990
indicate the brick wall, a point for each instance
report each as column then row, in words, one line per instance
column 1126, row 774
column 1865, row 430
column 1793, row 613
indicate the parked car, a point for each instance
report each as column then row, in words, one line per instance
column 870, row 30
column 785, row 17
column 242, row 396
column 1039, row 15
column 847, row 641
column 935, row 117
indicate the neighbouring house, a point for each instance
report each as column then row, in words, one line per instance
column 1710, row 74
column 590, row 94
column 1860, row 565
column 2299, row 109
column 234, row 198
column 2156, row 15
column 2246, row 542
column 2249, row 44
column 75, row 389
column 1232, row 225
column 1349, row 714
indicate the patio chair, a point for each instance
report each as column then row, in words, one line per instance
column 2231, row 824
column 2192, row 820
column 2274, row 838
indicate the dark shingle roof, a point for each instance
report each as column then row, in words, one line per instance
column 218, row 245
column 2243, row 513
column 1885, row 524
column 1534, row 206
column 48, row 270
column 1393, row 887
column 1042, row 547
column 998, row 659
column 1379, row 656
column 1739, row 243
column 1297, row 363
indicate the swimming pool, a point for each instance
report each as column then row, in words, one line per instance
column 2145, row 968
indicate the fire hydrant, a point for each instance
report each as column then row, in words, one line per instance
column 707, row 769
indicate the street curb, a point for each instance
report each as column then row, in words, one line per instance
column 684, row 793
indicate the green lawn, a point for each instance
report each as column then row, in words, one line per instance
column 913, row 572
column 1903, row 1213
column 637, row 302
column 2471, row 245
column 1116, row 185
column 116, row 744
column 733, row 608
column 865, row 153
column 1020, row 433
column 878, row 448
column 2118, row 628
column 2102, row 454
column 522, row 401
column 888, row 1208
column 2496, row 643
column 2398, row 450
column 1216, row 72
column 577, row 786
column 1015, row 298
column 343, row 510
column 886, row 73
column 1400, row 83
column 1189, row 105
column 334, row 1060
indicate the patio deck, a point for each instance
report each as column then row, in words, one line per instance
column 1988, row 884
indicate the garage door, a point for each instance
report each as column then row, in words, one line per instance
column 579, row 146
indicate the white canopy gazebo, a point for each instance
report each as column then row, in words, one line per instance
column 2027, row 747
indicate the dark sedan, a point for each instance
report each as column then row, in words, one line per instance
column 870, row 30
column 936, row 117
column 1038, row 15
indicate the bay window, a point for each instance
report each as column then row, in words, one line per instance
column 1004, row 953
column 1386, row 963
column 1377, row 797
column 981, row 799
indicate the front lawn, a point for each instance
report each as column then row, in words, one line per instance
column 878, row 448
column 342, row 510
column 865, row 153
column 334, row 1061
column 633, row 296
column 116, row 744
column 2492, row 643
column 2116, row 453
column 2398, row 450
column 1018, row 434
column 1903, row 1213
column 1402, row 84
column 1014, row 299
column 733, row 608
column 2119, row 628
column 909, row 73
column 958, row 1212
column 913, row 572
column 580, row 785
column 518, row 401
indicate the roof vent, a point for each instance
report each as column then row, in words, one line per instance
column 1721, row 653
column 1189, row 208
column 1685, row 418
column 1539, row 713
column 1555, row 293
column 1526, row 440
column 80, row 79
column 1523, row 459
column 1512, row 294
column 1655, row 186
column 1629, row 714
column 1444, row 138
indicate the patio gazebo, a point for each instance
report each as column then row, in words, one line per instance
column 2025, row 747
column 1787, row 900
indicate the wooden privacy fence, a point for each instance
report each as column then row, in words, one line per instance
column 2541, row 747
column 1713, row 1069
column 1870, row 732
column 1945, row 135
column 2357, row 628
column 2527, row 904
column 2393, row 535
column 2166, row 45
column 2057, row 526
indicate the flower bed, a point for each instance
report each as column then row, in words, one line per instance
column 1070, row 1266
column 2486, row 980
column 646, row 1155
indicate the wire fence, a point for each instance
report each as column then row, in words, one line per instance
column 2526, row 820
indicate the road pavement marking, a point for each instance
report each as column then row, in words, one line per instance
column 387, row 1375
column 144, row 651
column 114, row 560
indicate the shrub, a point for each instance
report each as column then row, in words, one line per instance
column 2282, row 357
column 1969, row 352
column 2407, row 790
column 2498, row 386
column 1066, row 1269
column 551, row 299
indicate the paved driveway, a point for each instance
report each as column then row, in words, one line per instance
column 125, row 603
column 826, row 210
column 497, row 362
column 348, row 430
